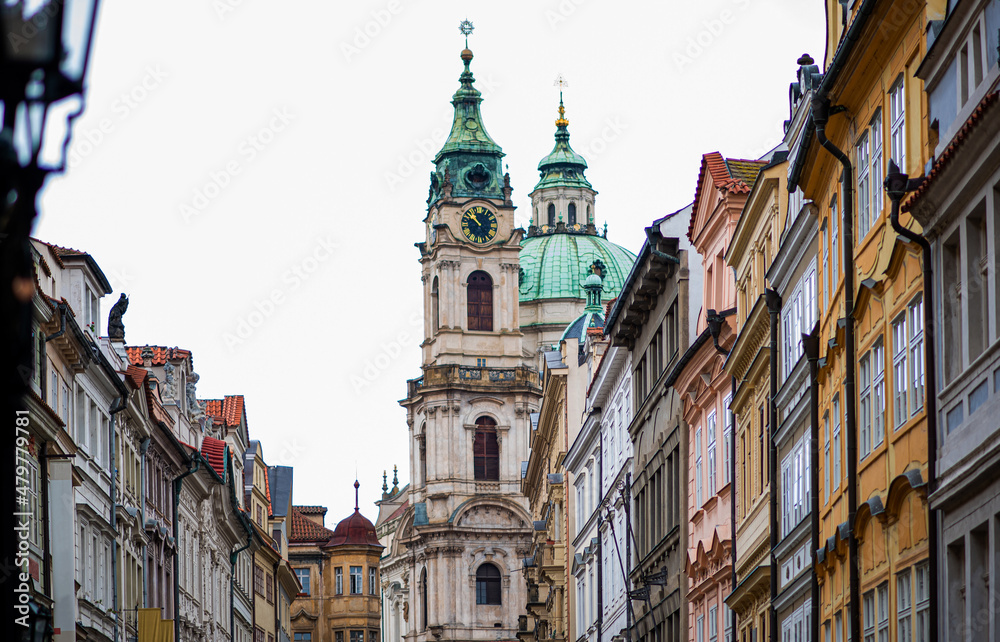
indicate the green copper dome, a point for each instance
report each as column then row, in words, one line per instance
column 563, row 167
column 556, row 266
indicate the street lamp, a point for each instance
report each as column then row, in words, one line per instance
column 44, row 54
column 39, row 624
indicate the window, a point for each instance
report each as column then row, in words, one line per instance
column 727, row 437
column 258, row 634
column 486, row 450
column 868, row 616
column 869, row 163
column 727, row 623
column 904, row 627
column 916, row 313
column 826, row 456
column 836, row 442
column 303, row 637
column 700, row 629
column 697, row 468
column 338, row 581
column 834, row 255
column 357, row 636
column 922, row 603
column 900, row 407
column 897, row 125
column 339, row 636
column 372, row 581
column 258, row 580
column 863, row 164
column 711, row 454
column 356, row 580
column 878, row 393
column 552, row 215
column 795, row 486
column 269, row 579
column 480, row 362
column 865, row 404
column 303, row 575
column 883, row 612
column 838, row 628
column 488, row 584
column 572, row 213
column 824, row 232
column 713, row 624
column 480, row 297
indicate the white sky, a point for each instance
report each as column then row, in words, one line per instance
column 184, row 92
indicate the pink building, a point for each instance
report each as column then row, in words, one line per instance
column 706, row 391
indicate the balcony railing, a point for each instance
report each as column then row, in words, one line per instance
column 473, row 376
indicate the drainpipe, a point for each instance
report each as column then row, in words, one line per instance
column 897, row 185
column 194, row 463
column 811, row 344
column 600, row 543
column 773, row 300
column 143, row 449
column 714, row 321
column 821, row 114
column 118, row 406
column 62, row 324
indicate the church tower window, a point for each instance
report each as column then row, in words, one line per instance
column 552, row 215
column 486, row 450
column 488, row 584
column 423, row 599
column 435, row 306
column 480, row 302
column 572, row 213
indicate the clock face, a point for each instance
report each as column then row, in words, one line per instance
column 479, row 224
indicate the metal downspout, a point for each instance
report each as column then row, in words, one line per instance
column 811, row 344
column 600, row 547
column 773, row 300
column 821, row 114
column 897, row 184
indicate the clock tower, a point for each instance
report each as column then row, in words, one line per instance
column 467, row 527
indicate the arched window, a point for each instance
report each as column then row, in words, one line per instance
column 488, row 584
column 480, row 302
column 423, row 599
column 435, row 306
column 552, row 215
column 572, row 213
column 590, row 215
column 486, row 450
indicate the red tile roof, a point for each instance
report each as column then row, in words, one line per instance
column 728, row 175
column 305, row 530
column 267, row 491
column 311, row 510
column 160, row 354
column 986, row 105
column 229, row 410
column 214, row 450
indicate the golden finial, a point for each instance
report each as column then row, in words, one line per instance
column 560, row 83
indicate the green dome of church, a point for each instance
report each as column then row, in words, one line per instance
column 555, row 266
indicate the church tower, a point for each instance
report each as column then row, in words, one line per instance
column 467, row 526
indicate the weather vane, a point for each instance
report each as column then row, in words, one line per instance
column 466, row 28
column 561, row 83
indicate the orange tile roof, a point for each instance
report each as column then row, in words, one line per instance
column 267, row 491
column 304, row 530
column 728, row 174
column 311, row 510
column 975, row 118
column 232, row 409
column 214, row 450
column 213, row 407
column 160, row 354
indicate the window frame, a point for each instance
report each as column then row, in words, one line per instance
column 897, row 122
column 359, row 581
column 900, row 370
column 710, row 424
column 486, row 450
column 697, row 470
column 489, row 588
column 915, row 313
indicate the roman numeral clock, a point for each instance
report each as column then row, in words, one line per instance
column 479, row 224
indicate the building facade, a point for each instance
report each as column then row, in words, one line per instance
column 958, row 208
column 873, row 509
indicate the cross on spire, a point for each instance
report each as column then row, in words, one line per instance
column 466, row 28
column 561, row 83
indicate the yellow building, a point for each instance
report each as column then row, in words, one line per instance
column 868, row 107
column 340, row 600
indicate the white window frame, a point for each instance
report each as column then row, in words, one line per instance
column 862, row 160
column 836, row 441
column 878, row 393
column 883, row 612
column 727, row 436
column 710, row 462
column 834, row 254
column 915, row 310
column 824, row 233
column 900, row 377
column 897, row 123
column 697, row 469
column 865, row 404
column 713, row 624
column 904, row 606
column 868, row 616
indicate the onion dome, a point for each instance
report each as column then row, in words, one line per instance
column 593, row 313
column 356, row 530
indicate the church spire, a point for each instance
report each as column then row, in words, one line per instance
column 563, row 167
column 469, row 157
